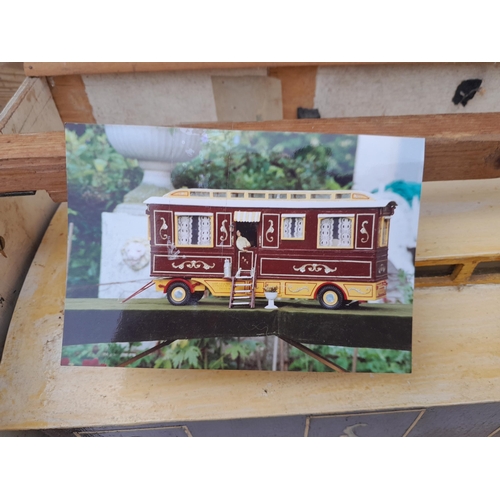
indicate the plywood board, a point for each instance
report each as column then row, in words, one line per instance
column 459, row 219
column 404, row 89
column 11, row 77
column 72, row 68
column 30, row 110
column 455, row 361
column 23, row 219
column 151, row 98
column 247, row 98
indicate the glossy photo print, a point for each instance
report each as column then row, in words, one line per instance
column 240, row 250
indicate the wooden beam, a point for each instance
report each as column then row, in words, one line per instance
column 452, row 126
column 11, row 77
column 93, row 68
column 458, row 147
column 34, row 162
column 298, row 87
column 71, row 99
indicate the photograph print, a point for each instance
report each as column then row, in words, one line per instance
column 240, row 250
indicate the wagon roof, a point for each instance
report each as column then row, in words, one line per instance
column 239, row 198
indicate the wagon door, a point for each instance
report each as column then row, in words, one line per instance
column 246, row 240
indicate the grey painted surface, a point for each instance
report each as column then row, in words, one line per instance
column 153, row 431
column 390, row 424
column 479, row 420
column 248, row 427
column 462, row 420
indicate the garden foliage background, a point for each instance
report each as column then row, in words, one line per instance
column 99, row 178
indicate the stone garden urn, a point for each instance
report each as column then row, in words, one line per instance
column 158, row 150
column 271, row 296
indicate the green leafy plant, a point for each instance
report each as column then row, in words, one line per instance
column 368, row 360
column 406, row 286
column 259, row 160
column 98, row 179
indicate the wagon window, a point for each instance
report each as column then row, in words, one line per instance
column 383, row 235
column 293, row 227
column 335, row 232
column 194, row 230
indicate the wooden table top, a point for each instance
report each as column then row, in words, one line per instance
column 456, row 343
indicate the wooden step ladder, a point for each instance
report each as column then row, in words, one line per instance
column 243, row 289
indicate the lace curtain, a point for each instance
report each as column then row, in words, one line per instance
column 194, row 230
column 335, row 232
column 293, row 227
column 204, row 231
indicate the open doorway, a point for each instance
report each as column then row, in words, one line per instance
column 249, row 231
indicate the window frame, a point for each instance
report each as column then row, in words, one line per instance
column 321, row 217
column 383, row 231
column 194, row 214
column 291, row 216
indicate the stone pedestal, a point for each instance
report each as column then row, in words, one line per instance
column 125, row 256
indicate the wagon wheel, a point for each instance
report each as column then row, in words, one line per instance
column 178, row 294
column 330, row 297
column 196, row 297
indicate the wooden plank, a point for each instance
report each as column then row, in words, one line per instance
column 454, row 362
column 11, row 77
column 457, row 147
column 337, row 91
column 484, row 126
column 458, row 222
column 298, row 86
column 31, row 110
column 71, row 99
column 34, row 162
column 23, row 219
column 93, row 68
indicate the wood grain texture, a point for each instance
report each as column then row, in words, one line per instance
column 33, row 162
column 11, row 77
column 23, row 219
column 298, row 87
column 454, row 362
column 31, row 110
column 71, row 99
column 89, row 68
column 457, row 147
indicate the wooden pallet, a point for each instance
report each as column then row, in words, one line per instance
column 455, row 340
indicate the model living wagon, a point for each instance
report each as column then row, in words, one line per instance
column 325, row 245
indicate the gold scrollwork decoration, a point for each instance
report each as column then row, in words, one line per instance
column 163, row 227
column 225, row 233
column 270, row 230
column 367, row 291
column 365, row 232
column 314, row 268
column 193, row 264
column 298, row 289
